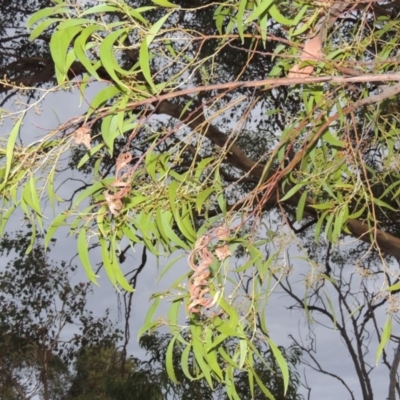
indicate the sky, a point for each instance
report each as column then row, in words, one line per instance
column 281, row 321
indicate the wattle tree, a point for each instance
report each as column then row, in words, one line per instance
column 228, row 133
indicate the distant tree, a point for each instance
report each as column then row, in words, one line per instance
column 189, row 389
column 52, row 346
column 44, row 322
column 103, row 373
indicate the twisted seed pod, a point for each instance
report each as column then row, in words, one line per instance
column 198, row 282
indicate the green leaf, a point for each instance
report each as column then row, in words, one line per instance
column 394, row 287
column 107, row 263
column 137, row 13
column 262, row 386
column 31, row 198
column 329, row 138
column 11, row 146
column 305, row 25
column 91, row 190
column 109, row 131
column 381, row 203
column 278, row 17
column 144, row 55
column 199, row 352
column 184, row 222
column 323, row 206
column 227, row 358
column 318, row 226
column 59, row 44
column 211, row 355
column 80, row 48
column 121, row 279
column 164, row 3
column 292, row 191
column 42, row 27
column 202, row 197
column 185, row 362
column 301, row 206
column 149, row 316
column 281, row 362
column 129, row 233
column 5, row 218
column 169, row 361
column 167, row 216
column 83, row 253
column 89, row 155
column 243, row 352
column 57, row 222
column 102, row 8
column 259, row 9
column 340, row 222
column 227, row 329
column 387, row 331
column 220, row 14
column 46, row 12
column 107, row 49
column 240, row 18
column 151, row 161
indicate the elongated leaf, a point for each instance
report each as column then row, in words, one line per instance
column 387, row 331
column 169, row 361
column 169, row 265
column 212, row 356
column 144, row 54
column 80, row 48
column 59, row 44
column 5, row 218
column 262, row 386
column 107, row 58
column 121, row 279
column 102, row 8
column 84, row 255
column 91, row 190
column 149, row 316
column 46, row 12
column 185, row 362
column 301, row 206
column 292, row 191
column 281, row 362
column 278, row 17
column 199, row 352
column 164, row 3
column 57, row 222
column 89, row 155
column 11, row 145
column 259, row 9
column 42, row 27
column 394, row 287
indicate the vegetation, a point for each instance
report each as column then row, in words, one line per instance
column 53, row 347
column 233, row 135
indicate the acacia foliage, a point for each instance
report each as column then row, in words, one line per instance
column 213, row 119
